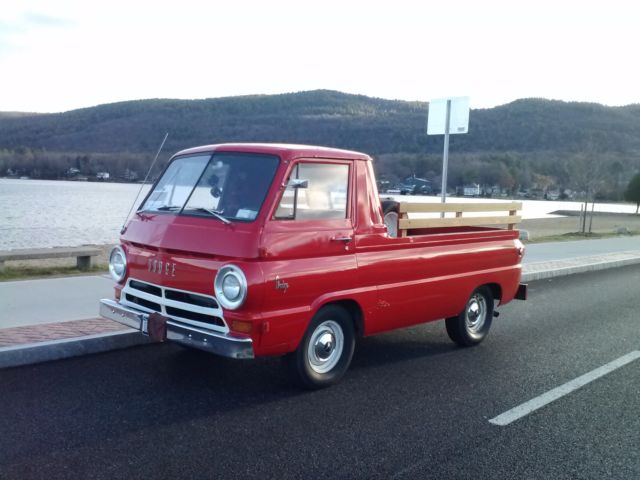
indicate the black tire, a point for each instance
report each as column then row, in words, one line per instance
column 468, row 330
column 307, row 366
column 390, row 210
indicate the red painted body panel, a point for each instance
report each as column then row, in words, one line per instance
column 395, row 282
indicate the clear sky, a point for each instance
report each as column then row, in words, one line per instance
column 66, row 54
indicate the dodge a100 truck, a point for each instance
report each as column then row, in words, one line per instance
column 247, row 250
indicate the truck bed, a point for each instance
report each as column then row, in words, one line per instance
column 460, row 223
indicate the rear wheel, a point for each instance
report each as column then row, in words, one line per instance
column 325, row 352
column 472, row 325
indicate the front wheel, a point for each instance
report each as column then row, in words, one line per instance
column 472, row 325
column 325, row 352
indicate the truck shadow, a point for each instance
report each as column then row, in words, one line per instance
column 421, row 342
column 391, row 349
column 158, row 386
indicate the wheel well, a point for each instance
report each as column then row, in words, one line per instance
column 496, row 290
column 355, row 311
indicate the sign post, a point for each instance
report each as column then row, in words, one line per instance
column 447, row 116
column 445, row 154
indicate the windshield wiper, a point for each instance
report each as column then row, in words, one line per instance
column 163, row 208
column 172, row 208
column 214, row 213
column 169, row 208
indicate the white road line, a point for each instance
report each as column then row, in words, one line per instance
column 534, row 404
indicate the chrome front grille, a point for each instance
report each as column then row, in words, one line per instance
column 187, row 307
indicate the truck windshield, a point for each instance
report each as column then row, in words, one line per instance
column 226, row 186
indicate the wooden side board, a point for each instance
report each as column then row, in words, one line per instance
column 405, row 223
column 406, row 207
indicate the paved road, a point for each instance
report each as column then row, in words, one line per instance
column 412, row 405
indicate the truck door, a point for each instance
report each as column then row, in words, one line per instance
column 307, row 243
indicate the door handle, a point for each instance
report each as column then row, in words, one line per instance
column 342, row 239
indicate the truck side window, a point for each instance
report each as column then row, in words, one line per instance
column 323, row 198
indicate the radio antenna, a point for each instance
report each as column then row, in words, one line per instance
column 124, row 225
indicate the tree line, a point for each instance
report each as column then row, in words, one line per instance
column 527, row 144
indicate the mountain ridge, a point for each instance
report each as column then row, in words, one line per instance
column 131, row 125
column 535, row 134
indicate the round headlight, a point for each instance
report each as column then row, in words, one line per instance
column 230, row 287
column 118, row 264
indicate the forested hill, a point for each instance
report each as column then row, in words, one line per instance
column 535, row 130
column 322, row 117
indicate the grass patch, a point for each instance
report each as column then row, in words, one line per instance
column 572, row 236
column 21, row 273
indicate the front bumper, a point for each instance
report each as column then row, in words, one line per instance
column 214, row 342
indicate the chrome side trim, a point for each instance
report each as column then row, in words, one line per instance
column 207, row 340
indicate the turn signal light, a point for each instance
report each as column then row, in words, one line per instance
column 241, row 327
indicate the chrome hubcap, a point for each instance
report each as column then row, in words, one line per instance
column 476, row 313
column 325, row 347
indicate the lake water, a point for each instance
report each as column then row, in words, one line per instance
column 50, row 213
column 47, row 213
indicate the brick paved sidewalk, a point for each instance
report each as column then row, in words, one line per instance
column 46, row 332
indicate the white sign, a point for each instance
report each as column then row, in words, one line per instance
column 458, row 120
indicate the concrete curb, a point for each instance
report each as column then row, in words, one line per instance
column 28, row 354
column 562, row 268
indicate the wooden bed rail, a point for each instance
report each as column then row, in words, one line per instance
column 405, row 223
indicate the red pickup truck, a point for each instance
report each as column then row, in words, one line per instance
column 247, row 250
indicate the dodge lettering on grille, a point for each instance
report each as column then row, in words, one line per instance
column 161, row 268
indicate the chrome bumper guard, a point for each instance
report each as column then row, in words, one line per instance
column 214, row 342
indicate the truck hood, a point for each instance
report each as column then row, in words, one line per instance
column 196, row 235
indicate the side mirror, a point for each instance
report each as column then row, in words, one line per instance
column 298, row 183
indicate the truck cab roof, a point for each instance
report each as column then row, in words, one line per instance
column 283, row 150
